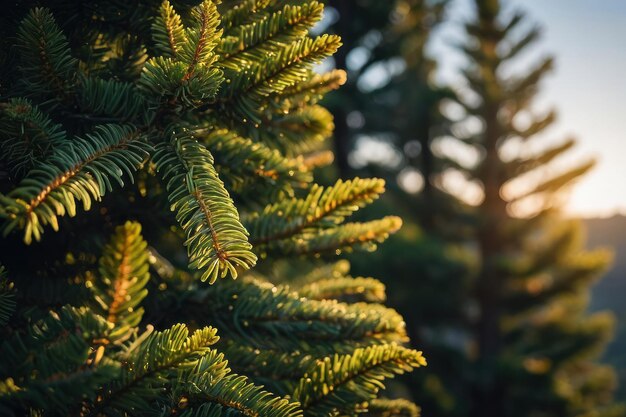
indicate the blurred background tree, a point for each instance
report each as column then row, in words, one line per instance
column 499, row 278
column 361, row 25
column 405, row 114
column 530, row 329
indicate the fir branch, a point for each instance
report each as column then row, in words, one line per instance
column 188, row 76
column 123, row 275
column 168, row 31
column 243, row 11
column 150, row 365
column 47, row 65
column 292, row 133
column 27, row 135
column 163, row 81
column 80, row 170
column 322, row 208
column 345, row 288
column 525, row 86
column 282, row 26
column 335, row 384
column 58, row 367
column 264, row 316
column 535, row 126
column 520, row 44
column 309, row 92
column 205, row 393
column 260, row 171
column 202, row 38
column 318, row 159
column 522, row 165
column 275, row 369
column 301, row 130
column 384, row 407
column 331, row 270
column 216, row 242
column 347, row 237
column 290, row 60
column 73, row 172
column 99, row 99
column 247, row 92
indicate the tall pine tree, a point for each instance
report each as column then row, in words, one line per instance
column 534, row 343
column 148, row 152
column 525, row 328
column 406, row 111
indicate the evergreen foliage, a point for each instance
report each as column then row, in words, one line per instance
column 386, row 407
column 7, row 302
column 354, row 376
column 147, row 150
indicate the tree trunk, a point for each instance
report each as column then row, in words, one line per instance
column 488, row 389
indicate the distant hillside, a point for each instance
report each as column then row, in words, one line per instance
column 610, row 292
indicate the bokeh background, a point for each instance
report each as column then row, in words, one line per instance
column 410, row 63
column 586, row 87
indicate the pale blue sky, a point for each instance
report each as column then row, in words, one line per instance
column 588, row 88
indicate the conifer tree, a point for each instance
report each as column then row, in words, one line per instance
column 148, row 151
column 404, row 113
column 535, row 344
column 407, row 111
column 525, row 328
column 363, row 28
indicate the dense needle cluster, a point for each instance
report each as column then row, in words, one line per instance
column 147, row 151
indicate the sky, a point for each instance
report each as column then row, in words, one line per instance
column 587, row 88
